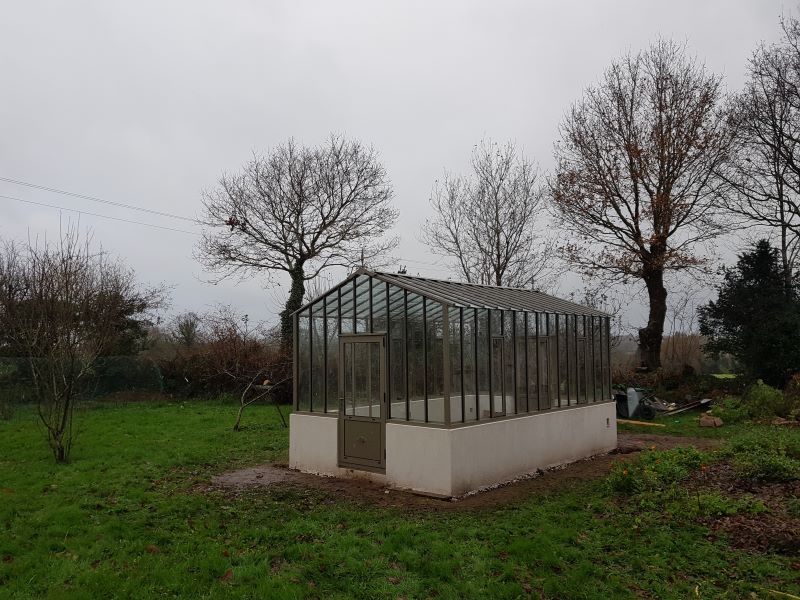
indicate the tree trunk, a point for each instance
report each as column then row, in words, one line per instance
column 650, row 337
column 238, row 425
column 294, row 302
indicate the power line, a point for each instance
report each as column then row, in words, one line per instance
column 94, row 199
column 83, row 212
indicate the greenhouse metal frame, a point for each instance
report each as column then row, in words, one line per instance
column 392, row 348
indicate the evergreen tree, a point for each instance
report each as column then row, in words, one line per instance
column 756, row 317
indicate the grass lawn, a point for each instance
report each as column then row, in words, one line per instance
column 124, row 520
column 685, row 424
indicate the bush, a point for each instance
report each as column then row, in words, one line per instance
column 654, row 471
column 764, row 402
column 792, row 394
column 731, row 410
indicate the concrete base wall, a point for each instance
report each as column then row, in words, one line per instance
column 451, row 462
column 498, row 451
column 313, row 448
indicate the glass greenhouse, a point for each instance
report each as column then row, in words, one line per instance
column 392, row 348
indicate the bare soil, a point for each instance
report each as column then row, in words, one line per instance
column 773, row 531
column 278, row 476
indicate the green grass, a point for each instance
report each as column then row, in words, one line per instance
column 686, row 424
column 123, row 520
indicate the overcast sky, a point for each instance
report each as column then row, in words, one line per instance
column 146, row 103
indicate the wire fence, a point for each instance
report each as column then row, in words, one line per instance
column 109, row 376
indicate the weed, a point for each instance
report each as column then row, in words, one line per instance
column 714, row 504
column 654, row 471
column 767, row 467
column 766, row 455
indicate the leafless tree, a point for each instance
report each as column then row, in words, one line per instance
column 764, row 180
column 489, row 223
column 635, row 183
column 299, row 210
column 683, row 345
column 61, row 305
column 245, row 353
column 601, row 297
column 318, row 286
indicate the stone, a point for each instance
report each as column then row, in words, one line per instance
column 707, row 420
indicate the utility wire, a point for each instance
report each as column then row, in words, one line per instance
column 83, row 212
column 94, row 199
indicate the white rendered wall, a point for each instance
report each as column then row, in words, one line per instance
column 451, row 462
column 419, row 458
column 313, row 447
column 497, row 451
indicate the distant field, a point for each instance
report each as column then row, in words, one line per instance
column 127, row 519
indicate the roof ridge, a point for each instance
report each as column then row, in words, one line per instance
column 459, row 293
column 485, row 285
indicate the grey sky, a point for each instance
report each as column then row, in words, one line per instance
column 147, row 103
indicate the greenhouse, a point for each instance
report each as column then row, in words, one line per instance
column 445, row 387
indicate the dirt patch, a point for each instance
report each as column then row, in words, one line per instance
column 263, row 475
column 765, row 532
column 277, row 476
column 775, row 530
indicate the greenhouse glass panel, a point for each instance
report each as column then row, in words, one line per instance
column 416, row 357
column 470, row 374
column 397, row 354
column 303, row 361
column 362, row 300
column 317, row 358
column 456, row 366
column 521, row 380
column 332, row 360
column 483, row 362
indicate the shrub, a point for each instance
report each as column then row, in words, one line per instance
column 654, row 471
column 764, row 402
column 731, row 410
column 792, row 394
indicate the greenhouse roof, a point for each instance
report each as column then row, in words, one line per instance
column 471, row 295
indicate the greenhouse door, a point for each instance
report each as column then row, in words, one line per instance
column 362, row 402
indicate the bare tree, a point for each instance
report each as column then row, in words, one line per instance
column 764, row 181
column 682, row 349
column 244, row 353
column 488, row 223
column 299, row 210
column 635, row 184
column 61, row 307
column 603, row 298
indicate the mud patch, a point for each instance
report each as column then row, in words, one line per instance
column 279, row 476
column 262, row 475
